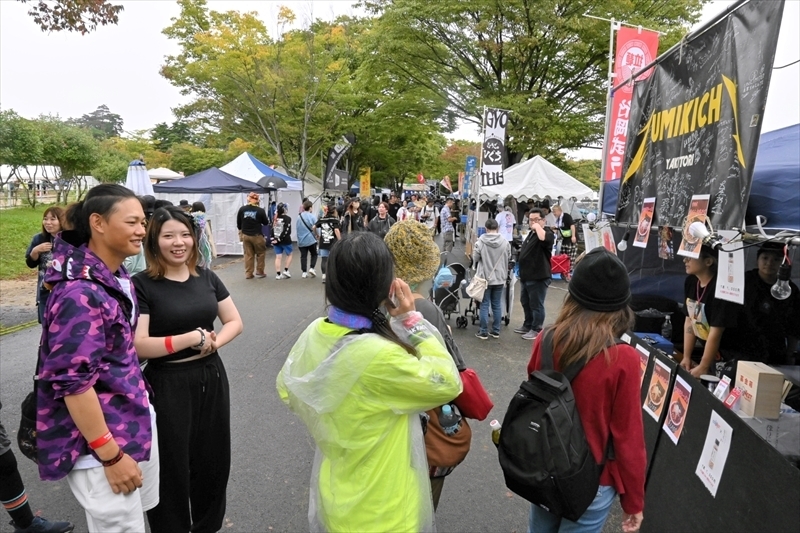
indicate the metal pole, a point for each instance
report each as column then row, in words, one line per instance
column 609, row 97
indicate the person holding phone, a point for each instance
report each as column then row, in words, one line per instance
column 359, row 381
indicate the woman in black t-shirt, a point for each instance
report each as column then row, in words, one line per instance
column 353, row 219
column 282, row 241
column 178, row 305
column 706, row 316
column 329, row 234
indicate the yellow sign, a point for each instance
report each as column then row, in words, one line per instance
column 364, row 176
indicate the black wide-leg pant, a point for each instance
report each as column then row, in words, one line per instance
column 192, row 404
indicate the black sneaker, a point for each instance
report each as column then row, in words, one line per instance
column 494, row 335
column 482, row 336
column 522, row 330
column 42, row 525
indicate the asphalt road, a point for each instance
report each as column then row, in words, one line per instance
column 272, row 451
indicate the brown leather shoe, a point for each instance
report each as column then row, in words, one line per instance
column 249, row 277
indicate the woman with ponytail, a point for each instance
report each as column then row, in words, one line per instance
column 94, row 418
column 359, row 381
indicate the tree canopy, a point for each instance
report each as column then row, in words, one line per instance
column 82, row 16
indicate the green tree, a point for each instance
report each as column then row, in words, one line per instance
column 587, row 171
column 101, row 122
column 138, row 146
column 542, row 60
column 112, row 164
column 282, row 91
column 71, row 151
column 20, row 144
column 178, row 132
column 191, row 159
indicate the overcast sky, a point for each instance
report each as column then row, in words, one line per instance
column 70, row 75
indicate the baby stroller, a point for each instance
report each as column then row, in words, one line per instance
column 448, row 299
column 506, row 300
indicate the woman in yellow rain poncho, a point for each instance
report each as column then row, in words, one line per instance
column 359, row 382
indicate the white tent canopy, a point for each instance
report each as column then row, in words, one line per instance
column 536, row 178
column 249, row 168
column 163, row 174
column 137, row 179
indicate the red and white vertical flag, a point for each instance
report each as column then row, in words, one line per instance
column 635, row 49
column 446, row 183
column 420, row 178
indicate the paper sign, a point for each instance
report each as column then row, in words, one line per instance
column 678, row 407
column 657, row 390
column 591, row 237
column 626, row 338
column 722, row 387
column 645, row 219
column 644, row 358
column 715, row 453
column 730, row 271
column 607, row 239
column 690, row 245
column 665, row 250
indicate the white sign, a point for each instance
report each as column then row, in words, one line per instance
column 494, row 147
column 730, row 271
column 715, row 453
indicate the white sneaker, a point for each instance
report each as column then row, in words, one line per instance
column 323, row 278
column 286, row 275
column 304, row 275
column 278, row 276
column 311, row 273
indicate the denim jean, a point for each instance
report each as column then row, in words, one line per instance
column 532, row 300
column 491, row 296
column 592, row 521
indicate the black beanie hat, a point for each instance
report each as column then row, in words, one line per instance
column 600, row 282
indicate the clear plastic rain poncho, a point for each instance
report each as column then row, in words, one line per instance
column 360, row 397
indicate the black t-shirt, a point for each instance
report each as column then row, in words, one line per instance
column 566, row 224
column 712, row 312
column 764, row 323
column 393, row 209
column 250, row 218
column 283, row 229
column 327, row 233
column 178, row 307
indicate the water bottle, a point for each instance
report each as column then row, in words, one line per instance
column 666, row 329
column 449, row 420
column 495, row 425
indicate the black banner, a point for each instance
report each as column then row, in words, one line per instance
column 334, row 155
column 337, row 181
column 695, row 123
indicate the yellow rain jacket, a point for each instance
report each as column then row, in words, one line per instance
column 360, row 397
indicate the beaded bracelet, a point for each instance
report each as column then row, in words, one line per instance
column 115, row 460
column 202, row 340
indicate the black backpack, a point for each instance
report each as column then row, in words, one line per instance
column 543, row 450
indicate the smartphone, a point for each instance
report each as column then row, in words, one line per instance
column 392, row 300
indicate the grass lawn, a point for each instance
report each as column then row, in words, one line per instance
column 17, row 227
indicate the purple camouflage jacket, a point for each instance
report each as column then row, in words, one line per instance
column 87, row 341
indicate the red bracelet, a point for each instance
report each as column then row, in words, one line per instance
column 115, row 460
column 101, row 441
column 168, row 344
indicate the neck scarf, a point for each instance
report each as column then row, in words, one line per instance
column 348, row 320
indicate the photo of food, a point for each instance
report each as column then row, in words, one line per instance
column 657, row 390
column 676, row 412
column 645, row 221
column 698, row 209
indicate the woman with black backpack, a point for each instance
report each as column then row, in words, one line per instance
column 606, row 390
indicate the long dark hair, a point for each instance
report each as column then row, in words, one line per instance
column 101, row 199
column 360, row 275
column 156, row 266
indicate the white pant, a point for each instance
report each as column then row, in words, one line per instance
column 107, row 512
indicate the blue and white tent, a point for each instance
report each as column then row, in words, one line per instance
column 247, row 167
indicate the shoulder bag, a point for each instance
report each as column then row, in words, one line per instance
column 477, row 286
column 26, row 436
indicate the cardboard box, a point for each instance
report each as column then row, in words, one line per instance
column 762, row 388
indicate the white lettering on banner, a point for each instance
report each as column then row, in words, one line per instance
column 625, row 109
column 617, row 146
column 493, row 158
column 680, row 161
column 621, row 127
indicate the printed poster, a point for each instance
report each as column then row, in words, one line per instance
column 644, row 358
column 607, row 239
column 678, row 406
column 657, row 390
column 493, row 156
column 591, row 237
column 715, row 453
column 730, row 271
column 698, row 208
column 645, row 220
column 665, row 250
